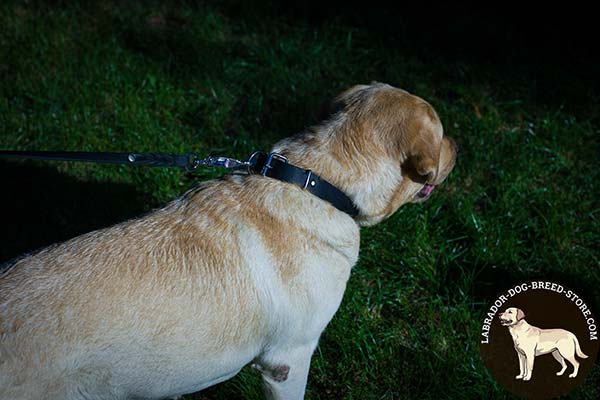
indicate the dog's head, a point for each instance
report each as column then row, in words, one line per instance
column 511, row 316
column 382, row 146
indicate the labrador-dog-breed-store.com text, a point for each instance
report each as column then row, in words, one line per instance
column 246, row 269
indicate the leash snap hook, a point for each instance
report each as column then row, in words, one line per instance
column 225, row 162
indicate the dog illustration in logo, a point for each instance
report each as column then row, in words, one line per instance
column 531, row 341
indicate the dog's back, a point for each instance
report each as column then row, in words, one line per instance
column 86, row 315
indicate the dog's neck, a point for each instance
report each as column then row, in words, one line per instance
column 520, row 326
column 346, row 166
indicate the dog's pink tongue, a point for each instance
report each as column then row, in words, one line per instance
column 426, row 191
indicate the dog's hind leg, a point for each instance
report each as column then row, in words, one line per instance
column 575, row 364
column 561, row 360
column 571, row 358
column 566, row 347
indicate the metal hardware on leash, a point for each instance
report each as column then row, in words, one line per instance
column 225, row 162
column 232, row 163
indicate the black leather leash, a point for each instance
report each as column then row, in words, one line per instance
column 148, row 159
column 272, row 165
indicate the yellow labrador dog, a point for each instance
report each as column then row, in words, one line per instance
column 531, row 341
column 243, row 269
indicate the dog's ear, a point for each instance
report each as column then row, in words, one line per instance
column 424, row 143
column 520, row 314
column 423, row 157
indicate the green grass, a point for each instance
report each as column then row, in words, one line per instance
column 521, row 203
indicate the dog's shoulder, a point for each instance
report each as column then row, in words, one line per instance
column 266, row 203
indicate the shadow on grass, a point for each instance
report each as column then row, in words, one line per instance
column 42, row 206
column 171, row 44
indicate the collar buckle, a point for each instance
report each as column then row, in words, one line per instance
column 253, row 160
column 270, row 158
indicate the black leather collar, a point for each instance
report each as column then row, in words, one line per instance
column 274, row 165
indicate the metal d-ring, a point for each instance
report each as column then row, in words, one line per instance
column 192, row 161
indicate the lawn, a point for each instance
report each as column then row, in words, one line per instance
column 231, row 77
